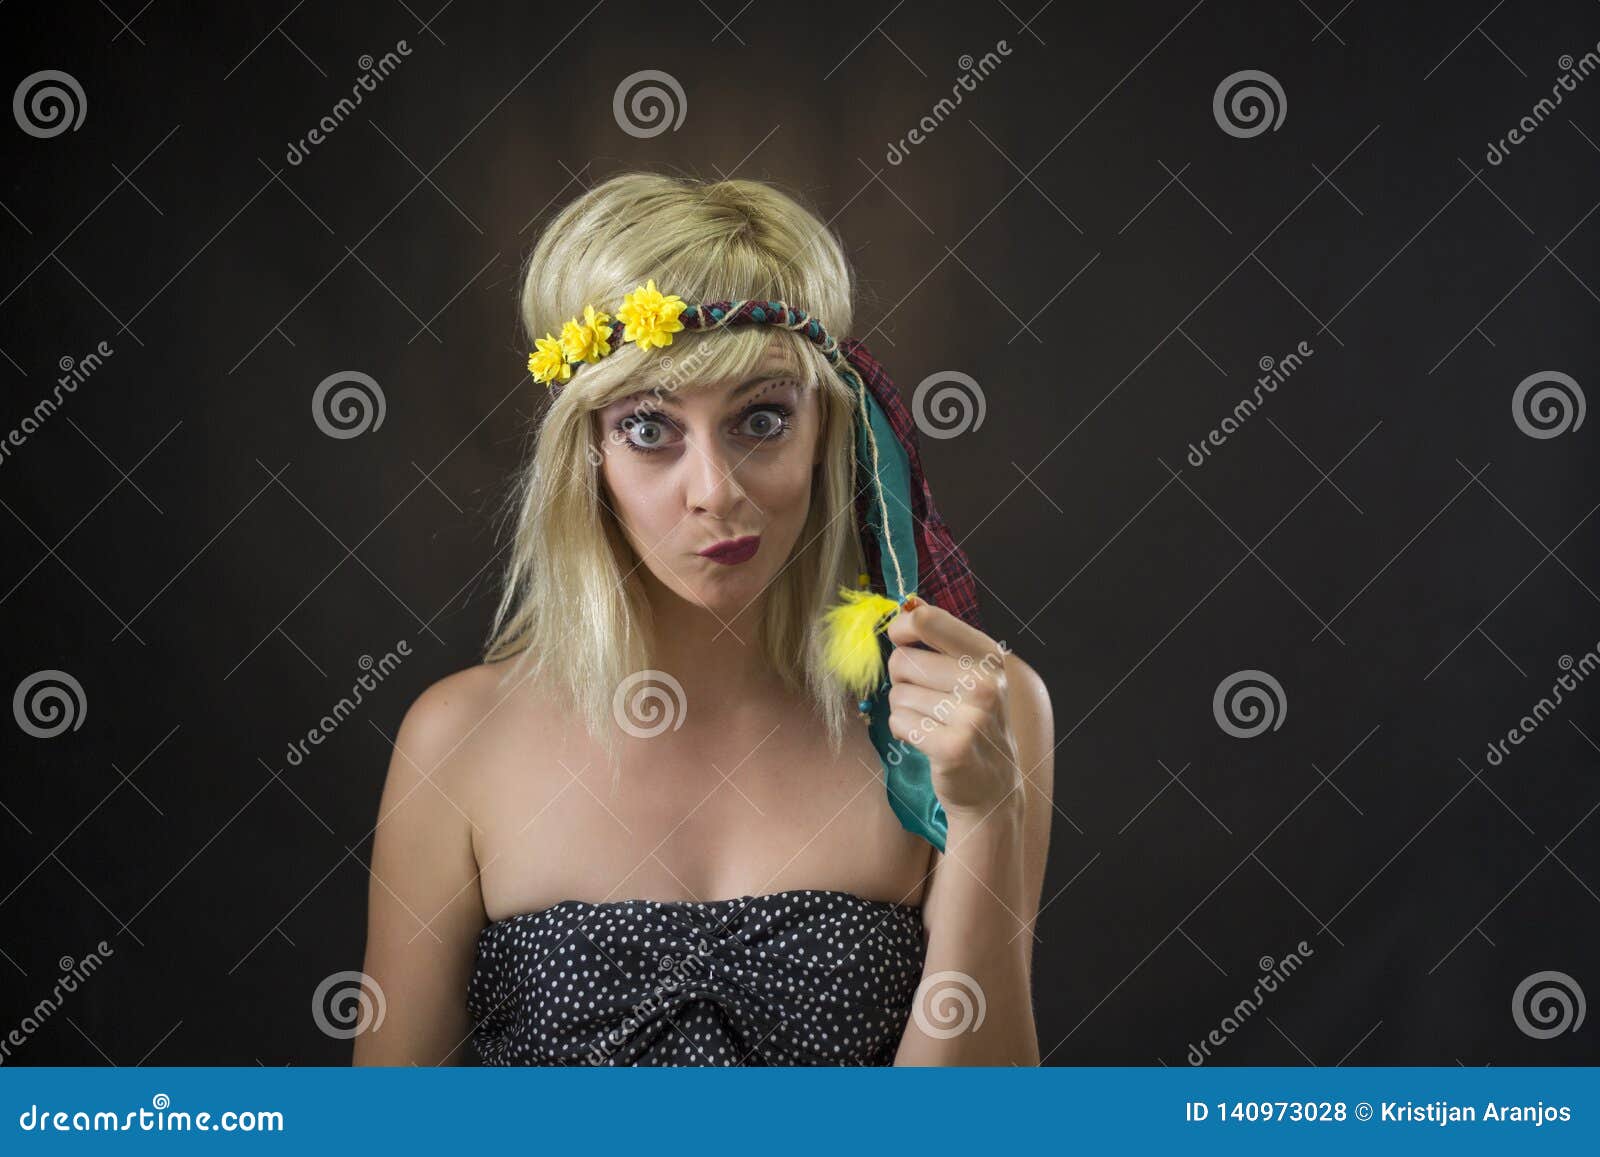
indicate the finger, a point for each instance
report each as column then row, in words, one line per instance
column 921, row 701
column 914, row 728
column 939, row 629
column 929, row 669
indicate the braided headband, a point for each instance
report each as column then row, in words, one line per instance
column 648, row 318
column 896, row 520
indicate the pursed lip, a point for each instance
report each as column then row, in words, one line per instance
column 732, row 550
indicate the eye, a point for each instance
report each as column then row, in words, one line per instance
column 644, row 433
column 766, row 422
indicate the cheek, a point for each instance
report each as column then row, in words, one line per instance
column 634, row 494
column 782, row 486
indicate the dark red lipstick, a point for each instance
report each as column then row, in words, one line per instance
column 732, row 550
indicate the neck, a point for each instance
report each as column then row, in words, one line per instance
column 717, row 659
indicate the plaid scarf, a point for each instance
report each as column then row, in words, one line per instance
column 944, row 576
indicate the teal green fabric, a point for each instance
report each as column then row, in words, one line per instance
column 906, row 776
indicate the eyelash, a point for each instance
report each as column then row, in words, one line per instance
column 784, row 425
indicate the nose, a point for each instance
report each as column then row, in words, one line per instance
column 710, row 485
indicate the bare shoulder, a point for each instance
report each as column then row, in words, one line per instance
column 449, row 707
column 425, row 903
column 452, row 712
column 431, row 759
column 1033, row 721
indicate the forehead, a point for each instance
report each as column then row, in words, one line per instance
column 774, row 369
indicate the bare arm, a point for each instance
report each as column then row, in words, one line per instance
column 425, row 908
column 981, row 906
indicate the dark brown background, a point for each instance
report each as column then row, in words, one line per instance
column 1381, row 537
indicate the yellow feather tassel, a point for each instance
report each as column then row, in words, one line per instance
column 850, row 641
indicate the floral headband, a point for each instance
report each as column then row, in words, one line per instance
column 648, row 318
column 901, row 533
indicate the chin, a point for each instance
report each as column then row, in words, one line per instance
column 726, row 591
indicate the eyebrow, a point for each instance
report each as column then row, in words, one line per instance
column 670, row 402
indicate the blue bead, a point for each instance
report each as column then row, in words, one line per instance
column 758, row 314
column 716, row 313
column 865, row 705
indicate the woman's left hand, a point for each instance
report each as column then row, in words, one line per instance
column 950, row 703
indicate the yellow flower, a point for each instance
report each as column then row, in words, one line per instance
column 548, row 363
column 587, row 340
column 650, row 318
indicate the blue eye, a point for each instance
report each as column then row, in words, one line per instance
column 649, row 432
column 775, row 422
column 649, row 428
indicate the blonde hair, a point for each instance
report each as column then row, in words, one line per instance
column 573, row 610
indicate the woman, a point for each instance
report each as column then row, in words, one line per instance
column 647, row 830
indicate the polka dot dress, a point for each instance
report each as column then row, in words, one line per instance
column 806, row 977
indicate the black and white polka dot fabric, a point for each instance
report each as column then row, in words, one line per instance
column 806, row 977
